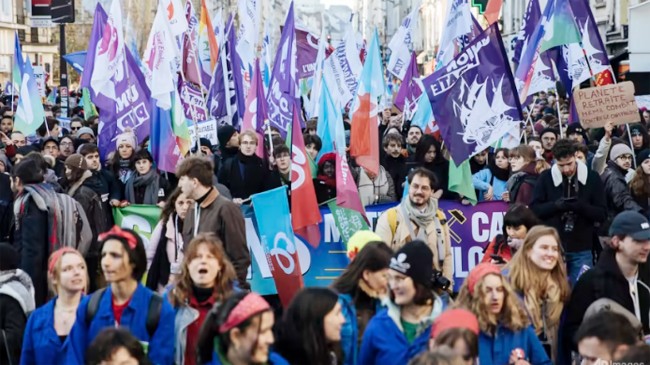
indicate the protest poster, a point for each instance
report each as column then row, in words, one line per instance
column 610, row 103
column 206, row 129
column 39, row 75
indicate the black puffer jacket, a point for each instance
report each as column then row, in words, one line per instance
column 618, row 194
column 16, row 302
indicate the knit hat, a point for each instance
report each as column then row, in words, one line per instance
column 224, row 133
column 479, row 272
column 414, row 260
column 358, row 240
column 126, row 138
column 642, row 156
column 76, row 161
column 85, row 130
column 49, row 139
column 9, row 258
column 619, row 150
column 454, row 318
column 204, row 142
column 637, row 130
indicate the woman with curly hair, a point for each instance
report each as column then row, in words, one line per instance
column 506, row 336
column 537, row 273
column 640, row 183
column 206, row 278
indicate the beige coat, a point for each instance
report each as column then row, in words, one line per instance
column 402, row 236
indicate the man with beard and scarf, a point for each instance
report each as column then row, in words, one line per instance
column 618, row 193
column 16, row 303
column 146, row 185
column 418, row 217
column 36, row 223
column 81, row 189
column 246, row 174
column 102, row 181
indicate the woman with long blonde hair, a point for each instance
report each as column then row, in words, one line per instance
column 207, row 277
column 46, row 335
column 537, row 273
column 506, row 336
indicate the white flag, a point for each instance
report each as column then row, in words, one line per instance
column 175, row 16
column 314, row 100
column 401, row 45
column 459, row 23
column 342, row 69
column 161, row 60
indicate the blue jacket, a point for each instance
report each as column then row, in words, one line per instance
column 495, row 350
column 134, row 317
column 384, row 343
column 41, row 344
column 481, row 181
column 350, row 329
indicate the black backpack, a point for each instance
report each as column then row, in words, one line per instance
column 153, row 312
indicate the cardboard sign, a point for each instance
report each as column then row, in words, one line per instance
column 598, row 105
column 206, row 129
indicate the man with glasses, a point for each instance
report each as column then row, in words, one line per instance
column 571, row 198
column 76, row 124
column 549, row 138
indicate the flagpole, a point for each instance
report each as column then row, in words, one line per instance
column 559, row 117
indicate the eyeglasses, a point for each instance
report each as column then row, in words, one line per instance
column 626, row 157
column 66, row 144
column 247, row 143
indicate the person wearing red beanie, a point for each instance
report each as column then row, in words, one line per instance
column 458, row 330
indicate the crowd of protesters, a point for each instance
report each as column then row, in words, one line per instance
column 567, row 280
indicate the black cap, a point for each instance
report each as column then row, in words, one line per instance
column 642, row 156
column 414, row 260
column 631, row 223
column 574, row 128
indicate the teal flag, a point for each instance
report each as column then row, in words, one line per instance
column 460, row 180
column 347, row 221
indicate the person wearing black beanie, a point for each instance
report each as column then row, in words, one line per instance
column 396, row 335
column 228, row 142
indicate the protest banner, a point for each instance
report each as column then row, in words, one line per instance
column 610, row 103
column 471, row 229
column 206, row 129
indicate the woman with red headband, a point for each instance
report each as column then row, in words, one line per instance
column 506, row 336
column 46, row 335
column 125, row 302
column 238, row 331
column 206, row 279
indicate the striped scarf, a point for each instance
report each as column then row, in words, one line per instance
column 45, row 198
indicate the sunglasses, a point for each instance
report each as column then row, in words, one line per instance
column 75, row 128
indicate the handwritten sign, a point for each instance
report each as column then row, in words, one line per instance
column 598, row 105
column 206, row 129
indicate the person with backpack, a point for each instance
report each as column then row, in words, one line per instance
column 16, row 304
column 523, row 164
column 78, row 174
column 400, row 332
column 36, row 223
column 619, row 275
column 46, row 336
column 418, row 217
column 125, row 302
column 207, row 278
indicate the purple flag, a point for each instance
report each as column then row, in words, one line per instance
column 283, row 88
column 192, row 100
column 131, row 106
column 528, row 24
column 222, row 104
column 237, row 65
column 474, row 98
column 306, row 51
column 409, row 90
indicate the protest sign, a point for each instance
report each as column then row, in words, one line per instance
column 39, row 75
column 610, row 103
column 471, row 229
column 206, row 129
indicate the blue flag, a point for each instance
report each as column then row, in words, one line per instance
column 277, row 238
column 474, row 98
column 528, row 24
